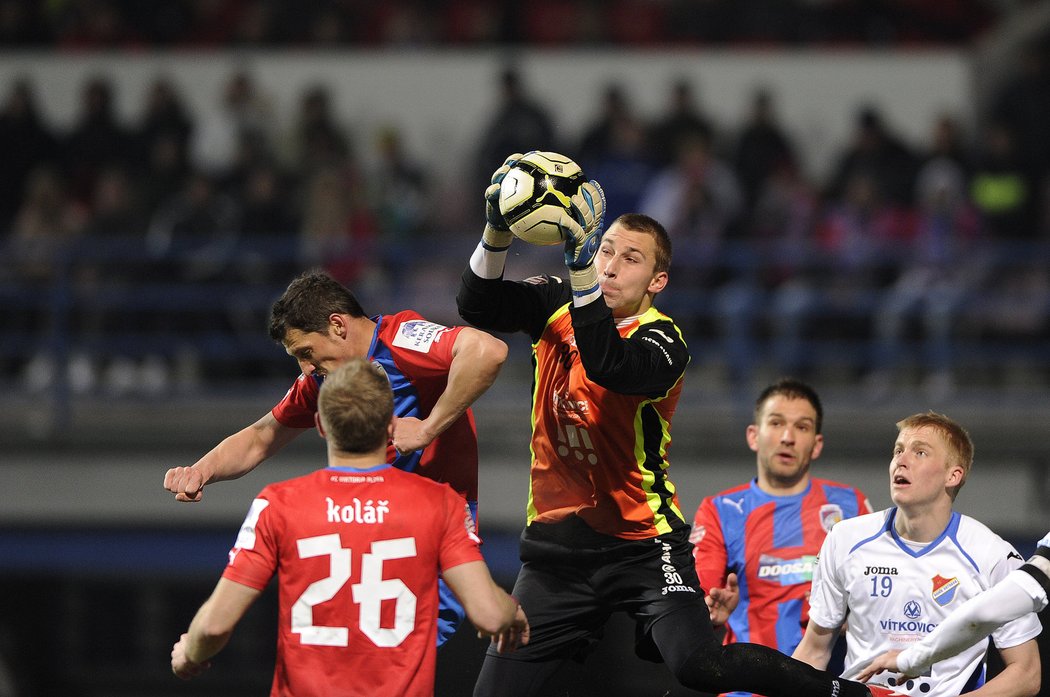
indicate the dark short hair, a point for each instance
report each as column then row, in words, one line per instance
column 791, row 388
column 355, row 405
column 308, row 302
column 639, row 222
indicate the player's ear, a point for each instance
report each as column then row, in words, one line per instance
column 391, row 427
column 337, row 325
column 320, row 426
column 752, row 437
column 658, row 282
column 818, row 446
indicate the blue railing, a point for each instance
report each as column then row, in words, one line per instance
column 745, row 305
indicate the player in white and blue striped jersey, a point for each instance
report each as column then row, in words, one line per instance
column 1022, row 592
column 899, row 573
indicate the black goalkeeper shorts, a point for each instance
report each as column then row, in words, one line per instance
column 572, row 579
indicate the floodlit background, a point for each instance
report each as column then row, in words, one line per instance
column 857, row 193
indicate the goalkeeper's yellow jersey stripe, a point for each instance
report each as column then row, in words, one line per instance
column 596, row 453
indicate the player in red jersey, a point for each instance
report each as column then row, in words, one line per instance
column 756, row 544
column 436, row 373
column 604, row 529
column 359, row 545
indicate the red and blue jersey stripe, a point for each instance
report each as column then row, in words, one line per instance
column 416, row 355
column 771, row 543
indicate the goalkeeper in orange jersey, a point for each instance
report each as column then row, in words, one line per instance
column 604, row 530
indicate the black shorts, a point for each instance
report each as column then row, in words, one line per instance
column 572, row 579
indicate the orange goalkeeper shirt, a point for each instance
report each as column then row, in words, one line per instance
column 603, row 397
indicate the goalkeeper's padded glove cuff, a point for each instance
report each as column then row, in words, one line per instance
column 494, row 240
column 490, row 256
column 584, row 282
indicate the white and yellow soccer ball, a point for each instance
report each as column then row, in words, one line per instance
column 535, row 194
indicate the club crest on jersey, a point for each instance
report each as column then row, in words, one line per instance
column 418, row 335
column 830, row 515
column 944, row 589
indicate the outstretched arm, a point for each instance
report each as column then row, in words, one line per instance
column 211, row 628
column 476, row 360
column 1019, row 676
column 234, row 457
column 493, row 612
column 1016, row 595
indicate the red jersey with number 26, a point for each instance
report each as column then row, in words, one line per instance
column 359, row 553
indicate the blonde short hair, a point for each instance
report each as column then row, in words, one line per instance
column 355, row 405
column 960, row 447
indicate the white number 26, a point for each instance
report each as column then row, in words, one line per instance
column 369, row 593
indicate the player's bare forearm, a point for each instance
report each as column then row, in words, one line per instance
column 476, row 361
column 211, row 627
column 1009, row 683
column 242, row 452
column 234, row 457
column 513, row 636
column 1019, row 678
column 493, row 612
column 816, row 645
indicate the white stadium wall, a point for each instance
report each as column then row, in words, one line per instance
column 440, row 99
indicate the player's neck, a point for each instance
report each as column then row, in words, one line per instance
column 922, row 524
column 361, row 331
column 781, row 487
column 623, row 313
column 357, row 461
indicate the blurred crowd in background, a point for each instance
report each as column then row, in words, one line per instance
column 159, row 232
column 201, row 24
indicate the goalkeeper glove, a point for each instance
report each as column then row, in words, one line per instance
column 583, row 235
column 497, row 236
column 583, row 228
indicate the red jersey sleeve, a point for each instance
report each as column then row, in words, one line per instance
column 297, row 408
column 709, row 549
column 460, row 542
column 423, row 354
column 253, row 559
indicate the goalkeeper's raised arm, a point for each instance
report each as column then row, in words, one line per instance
column 491, row 253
